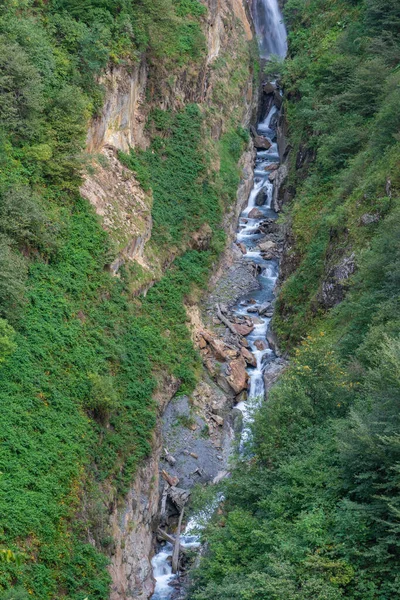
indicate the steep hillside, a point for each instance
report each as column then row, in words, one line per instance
column 158, row 96
column 313, row 512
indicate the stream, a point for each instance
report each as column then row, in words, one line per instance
column 271, row 34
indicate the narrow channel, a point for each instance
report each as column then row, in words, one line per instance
column 271, row 34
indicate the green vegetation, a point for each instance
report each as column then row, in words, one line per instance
column 79, row 357
column 312, row 512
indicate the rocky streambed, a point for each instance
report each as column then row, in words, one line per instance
column 240, row 357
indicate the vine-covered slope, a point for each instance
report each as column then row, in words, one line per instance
column 80, row 356
column 313, row 512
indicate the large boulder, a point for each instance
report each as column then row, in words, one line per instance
column 238, row 377
column 261, row 142
column 260, row 198
column 243, row 329
column 267, row 246
column 255, row 213
column 249, row 357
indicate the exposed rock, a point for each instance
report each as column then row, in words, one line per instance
column 201, row 239
column 178, row 496
column 273, row 342
column 272, row 167
column 260, row 198
column 269, row 87
column 272, row 373
column 219, row 420
column 367, row 219
column 278, row 196
column 220, row 476
column 122, row 205
column 243, row 329
column 266, row 246
column 255, row 213
column 261, row 345
column 131, row 523
column 242, row 248
column 278, row 99
column 264, row 308
column 261, row 142
column 335, row 285
column 252, row 309
column 171, row 460
column 170, row 479
column 122, row 121
column 238, row 377
column 249, row 357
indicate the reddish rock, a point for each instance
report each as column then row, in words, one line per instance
column 272, row 167
column 261, row 345
column 242, row 248
column 243, row 329
column 238, row 376
column 255, row 213
column 202, row 343
column 249, row 357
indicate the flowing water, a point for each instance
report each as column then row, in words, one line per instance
column 249, row 234
column 271, row 30
column 272, row 37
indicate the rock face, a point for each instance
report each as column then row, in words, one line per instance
column 334, row 287
column 124, row 207
column 123, row 117
column 132, row 524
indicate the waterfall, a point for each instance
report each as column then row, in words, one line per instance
column 270, row 28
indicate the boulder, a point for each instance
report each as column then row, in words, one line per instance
column 260, row 198
column 261, row 345
column 252, row 309
column 238, row 377
column 249, row 357
column 272, row 176
column 269, row 88
column 261, row 142
column 267, row 246
column 242, row 248
column 273, row 342
column 243, row 329
column 272, row 167
column 256, row 213
column 265, row 308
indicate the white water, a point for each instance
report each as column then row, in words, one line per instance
column 248, row 236
column 271, row 30
column 272, row 38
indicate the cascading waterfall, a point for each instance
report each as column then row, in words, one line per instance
column 272, row 40
column 270, row 28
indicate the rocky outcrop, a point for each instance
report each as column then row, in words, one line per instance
column 123, row 117
column 133, row 522
column 335, row 285
column 125, row 209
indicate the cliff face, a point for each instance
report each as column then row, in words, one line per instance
column 222, row 83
